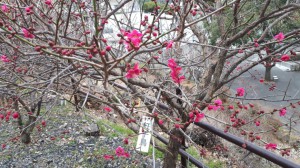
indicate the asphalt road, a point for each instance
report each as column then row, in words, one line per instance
column 287, row 87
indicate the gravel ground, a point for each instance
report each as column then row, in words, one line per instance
column 62, row 143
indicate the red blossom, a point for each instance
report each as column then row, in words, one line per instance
column 177, row 125
column 271, row 146
column 210, row 107
column 125, row 141
column 261, row 81
column 4, row 58
column 48, row 2
column 160, row 122
column 199, row 117
column 4, row 9
column 27, row 34
column 134, row 39
column 282, row 112
column 285, row 57
column 240, row 91
column 175, row 71
column 1, row 116
column 28, row 9
column 108, row 157
column 126, row 155
column 119, row 151
column 218, row 102
column 279, row 37
column 15, row 115
column 108, row 48
column 44, row 123
column 107, row 109
column 135, row 71
column 169, row 44
column 3, row 146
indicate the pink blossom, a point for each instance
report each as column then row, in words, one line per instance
column 216, row 108
column 48, row 2
column 108, row 157
column 279, row 37
column 107, row 109
column 257, row 123
column 177, row 126
column 44, row 123
column 134, row 38
column 119, row 151
column 271, row 146
column 285, row 57
column 1, row 116
column 27, row 34
column 175, row 71
column 160, row 122
column 28, row 9
column 4, row 58
column 135, row 71
column 191, row 115
column 218, row 102
column 108, row 48
column 125, row 141
column 199, row 117
column 210, row 107
column 169, row 44
column 126, row 155
column 3, row 146
column 282, row 112
column 15, row 115
column 4, row 9
column 256, row 44
column 240, row 91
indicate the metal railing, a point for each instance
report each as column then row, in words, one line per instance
column 237, row 141
column 249, row 146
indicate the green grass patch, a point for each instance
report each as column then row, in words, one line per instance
column 117, row 129
column 212, row 163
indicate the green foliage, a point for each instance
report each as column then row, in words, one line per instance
column 214, row 164
column 117, row 129
column 249, row 11
column 149, row 6
column 158, row 154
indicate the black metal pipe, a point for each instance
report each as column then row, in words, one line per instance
column 183, row 153
column 249, row 146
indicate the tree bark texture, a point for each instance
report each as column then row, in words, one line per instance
column 174, row 144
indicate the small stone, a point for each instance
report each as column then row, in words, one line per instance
column 80, row 141
column 102, row 137
column 92, row 130
column 63, row 126
column 81, row 160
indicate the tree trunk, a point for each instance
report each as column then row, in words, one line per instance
column 268, row 73
column 174, row 144
column 183, row 160
column 25, row 138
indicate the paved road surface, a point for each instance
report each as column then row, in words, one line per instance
column 287, row 87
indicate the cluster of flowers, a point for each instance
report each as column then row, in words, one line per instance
column 175, row 71
column 133, row 39
column 120, row 152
